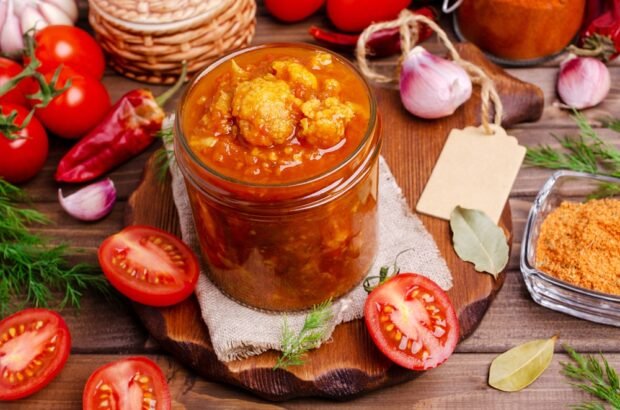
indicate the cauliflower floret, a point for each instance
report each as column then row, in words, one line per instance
column 266, row 111
column 325, row 122
column 320, row 60
column 295, row 73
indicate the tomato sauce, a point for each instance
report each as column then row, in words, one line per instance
column 279, row 148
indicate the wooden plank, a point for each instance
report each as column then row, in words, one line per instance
column 459, row 383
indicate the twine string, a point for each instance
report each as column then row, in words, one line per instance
column 409, row 26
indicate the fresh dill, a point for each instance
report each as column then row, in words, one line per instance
column 595, row 377
column 32, row 271
column 586, row 152
column 164, row 157
column 314, row 330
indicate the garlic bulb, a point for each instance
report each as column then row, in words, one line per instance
column 90, row 203
column 19, row 16
column 432, row 87
column 583, row 82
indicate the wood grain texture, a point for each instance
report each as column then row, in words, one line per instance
column 458, row 384
column 350, row 364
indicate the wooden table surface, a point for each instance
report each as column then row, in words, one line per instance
column 103, row 332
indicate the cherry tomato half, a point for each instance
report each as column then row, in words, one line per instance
column 149, row 266
column 77, row 110
column 412, row 321
column 132, row 383
column 356, row 15
column 22, row 158
column 70, row 46
column 8, row 70
column 34, row 346
column 291, row 11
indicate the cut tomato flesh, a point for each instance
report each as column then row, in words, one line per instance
column 34, row 345
column 149, row 265
column 412, row 321
column 133, row 383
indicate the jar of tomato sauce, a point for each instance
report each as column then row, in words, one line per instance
column 279, row 146
column 520, row 30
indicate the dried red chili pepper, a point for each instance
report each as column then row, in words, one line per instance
column 601, row 38
column 381, row 44
column 127, row 130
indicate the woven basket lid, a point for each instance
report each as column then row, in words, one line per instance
column 157, row 12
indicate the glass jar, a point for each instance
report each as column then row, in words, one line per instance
column 520, row 30
column 285, row 245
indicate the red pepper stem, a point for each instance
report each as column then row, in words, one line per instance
column 163, row 98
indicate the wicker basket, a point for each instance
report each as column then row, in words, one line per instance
column 149, row 40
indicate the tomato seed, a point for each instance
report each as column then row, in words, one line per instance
column 416, row 347
column 439, row 331
column 389, row 327
column 384, row 318
column 12, row 332
column 398, row 335
column 105, row 387
column 388, row 309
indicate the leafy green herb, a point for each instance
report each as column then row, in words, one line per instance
column 30, row 269
column 605, row 190
column 586, row 152
column 520, row 366
column 479, row 240
column 295, row 346
column 164, row 157
column 595, row 377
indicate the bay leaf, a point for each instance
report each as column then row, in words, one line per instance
column 520, row 366
column 478, row 240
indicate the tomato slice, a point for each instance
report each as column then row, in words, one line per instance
column 132, row 383
column 412, row 321
column 149, row 265
column 34, row 346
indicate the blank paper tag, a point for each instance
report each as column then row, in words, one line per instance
column 475, row 171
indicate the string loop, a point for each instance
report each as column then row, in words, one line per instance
column 408, row 23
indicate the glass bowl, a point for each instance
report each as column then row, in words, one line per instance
column 551, row 292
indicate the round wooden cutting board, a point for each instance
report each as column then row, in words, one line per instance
column 350, row 364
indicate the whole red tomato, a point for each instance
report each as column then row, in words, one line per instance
column 70, row 46
column 22, row 158
column 356, row 15
column 77, row 110
column 290, row 11
column 8, row 70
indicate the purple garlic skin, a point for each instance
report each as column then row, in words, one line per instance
column 583, row 82
column 90, row 203
column 432, row 87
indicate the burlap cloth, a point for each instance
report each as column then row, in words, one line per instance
column 238, row 331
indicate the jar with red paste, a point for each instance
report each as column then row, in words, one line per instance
column 279, row 146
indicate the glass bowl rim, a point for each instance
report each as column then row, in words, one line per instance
column 533, row 216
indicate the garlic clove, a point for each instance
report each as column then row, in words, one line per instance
column 432, row 87
column 69, row 7
column 54, row 15
column 583, row 82
column 31, row 18
column 11, row 40
column 90, row 203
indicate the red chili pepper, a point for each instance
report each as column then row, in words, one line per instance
column 127, row 130
column 602, row 36
column 382, row 43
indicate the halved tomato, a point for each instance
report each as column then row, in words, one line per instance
column 34, row 346
column 132, row 383
column 149, row 265
column 412, row 321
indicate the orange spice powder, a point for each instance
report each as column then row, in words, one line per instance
column 579, row 243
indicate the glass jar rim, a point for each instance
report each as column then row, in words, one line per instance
column 179, row 133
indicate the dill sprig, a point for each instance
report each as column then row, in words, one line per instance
column 586, row 152
column 164, row 157
column 595, row 377
column 32, row 271
column 295, row 346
